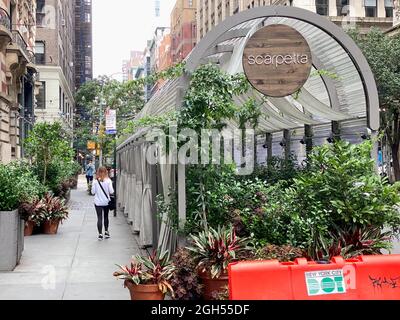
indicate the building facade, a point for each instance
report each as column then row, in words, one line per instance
column 183, row 29
column 17, row 75
column 363, row 13
column 55, row 55
column 131, row 66
column 83, row 42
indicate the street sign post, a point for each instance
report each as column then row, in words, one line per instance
column 111, row 122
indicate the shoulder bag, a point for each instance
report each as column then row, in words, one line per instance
column 111, row 199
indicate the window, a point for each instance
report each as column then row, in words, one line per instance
column 40, row 52
column 342, row 7
column 322, row 7
column 88, row 18
column 370, row 8
column 389, row 8
column 41, row 97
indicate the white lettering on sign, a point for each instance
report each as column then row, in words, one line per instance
column 278, row 60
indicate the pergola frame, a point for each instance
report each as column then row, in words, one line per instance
column 213, row 44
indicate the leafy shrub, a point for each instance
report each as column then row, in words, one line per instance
column 340, row 190
column 185, row 281
column 18, row 184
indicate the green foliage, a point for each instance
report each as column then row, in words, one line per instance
column 340, row 190
column 18, row 184
column 215, row 249
column 48, row 146
column 383, row 55
column 127, row 98
column 209, row 101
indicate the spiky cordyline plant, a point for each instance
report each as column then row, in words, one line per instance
column 33, row 211
column 214, row 250
column 54, row 208
column 154, row 269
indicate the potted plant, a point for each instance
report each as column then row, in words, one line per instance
column 33, row 215
column 18, row 184
column 213, row 250
column 148, row 278
column 55, row 211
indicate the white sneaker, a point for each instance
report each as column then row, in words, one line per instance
column 107, row 235
column 100, row 237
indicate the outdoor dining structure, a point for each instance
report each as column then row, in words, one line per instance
column 338, row 98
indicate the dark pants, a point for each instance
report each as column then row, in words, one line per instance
column 89, row 179
column 102, row 211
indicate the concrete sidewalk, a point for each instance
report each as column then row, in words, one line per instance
column 73, row 265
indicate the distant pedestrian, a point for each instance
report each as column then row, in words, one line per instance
column 90, row 170
column 102, row 189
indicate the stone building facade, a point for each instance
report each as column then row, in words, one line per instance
column 17, row 75
column 55, row 56
column 346, row 13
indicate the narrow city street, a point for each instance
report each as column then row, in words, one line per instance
column 72, row 265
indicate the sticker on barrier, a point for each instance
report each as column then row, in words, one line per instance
column 325, row 282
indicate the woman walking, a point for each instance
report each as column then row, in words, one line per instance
column 102, row 189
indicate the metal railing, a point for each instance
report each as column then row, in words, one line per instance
column 19, row 40
column 5, row 19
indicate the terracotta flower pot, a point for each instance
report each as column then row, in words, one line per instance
column 51, row 227
column 213, row 286
column 29, row 226
column 143, row 292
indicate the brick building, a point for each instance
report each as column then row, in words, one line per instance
column 17, row 75
column 183, row 29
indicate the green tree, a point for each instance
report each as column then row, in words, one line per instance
column 48, row 144
column 383, row 55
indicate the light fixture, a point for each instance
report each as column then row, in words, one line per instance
column 330, row 140
column 303, row 141
column 282, row 144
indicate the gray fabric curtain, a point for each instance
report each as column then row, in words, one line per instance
column 168, row 237
column 137, row 190
column 131, row 179
column 146, row 230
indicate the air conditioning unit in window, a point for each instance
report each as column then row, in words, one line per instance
column 63, row 23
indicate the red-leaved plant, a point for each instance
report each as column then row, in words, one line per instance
column 214, row 250
column 154, row 269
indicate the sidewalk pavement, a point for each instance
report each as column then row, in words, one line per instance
column 73, row 265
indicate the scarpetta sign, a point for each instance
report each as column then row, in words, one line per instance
column 277, row 60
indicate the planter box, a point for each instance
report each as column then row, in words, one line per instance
column 11, row 239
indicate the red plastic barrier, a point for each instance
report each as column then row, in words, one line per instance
column 364, row 278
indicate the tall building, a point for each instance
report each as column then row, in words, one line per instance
column 157, row 56
column 55, row 55
column 363, row 13
column 17, row 75
column 183, row 29
column 131, row 66
column 83, row 42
